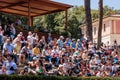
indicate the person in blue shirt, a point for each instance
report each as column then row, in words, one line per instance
column 73, row 44
column 8, row 46
column 67, row 42
column 60, row 42
column 49, row 38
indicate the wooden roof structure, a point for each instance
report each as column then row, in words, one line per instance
column 32, row 8
column 37, row 7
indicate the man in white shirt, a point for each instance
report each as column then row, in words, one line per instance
column 10, row 66
column 30, row 37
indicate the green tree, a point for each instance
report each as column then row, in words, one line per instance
column 60, row 22
column 4, row 16
column 73, row 26
column 107, row 11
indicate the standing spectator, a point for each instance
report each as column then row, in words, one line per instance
column 115, row 44
column 78, row 44
column 30, row 37
column 36, row 39
column 49, row 38
column 18, row 38
column 7, row 30
column 18, row 22
column 60, row 42
column 42, row 42
column 16, row 52
column 12, row 31
column 67, row 42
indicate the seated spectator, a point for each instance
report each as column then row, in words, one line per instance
column 68, row 67
column 48, row 66
column 40, row 69
column 27, row 71
column 55, row 56
column 2, row 69
column 8, row 46
column 36, row 51
column 47, row 51
column 23, row 54
column 30, row 55
column 24, row 71
column 61, row 71
column 10, row 66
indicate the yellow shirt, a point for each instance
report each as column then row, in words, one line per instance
column 17, row 48
column 35, row 51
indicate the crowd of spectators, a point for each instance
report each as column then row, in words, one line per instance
column 52, row 56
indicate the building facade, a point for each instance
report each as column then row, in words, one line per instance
column 110, row 29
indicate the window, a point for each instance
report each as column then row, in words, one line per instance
column 104, row 27
column 94, row 30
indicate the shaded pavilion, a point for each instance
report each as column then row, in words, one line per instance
column 33, row 8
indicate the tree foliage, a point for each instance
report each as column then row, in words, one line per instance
column 5, row 16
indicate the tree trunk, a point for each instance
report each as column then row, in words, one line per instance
column 88, row 19
column 100, row 23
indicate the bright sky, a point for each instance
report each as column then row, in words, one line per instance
column 94, row 3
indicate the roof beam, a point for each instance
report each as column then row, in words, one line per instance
column 48, row 12
column 43, row 3
column 34, row 8
column 13, row 13
column 56, row 3
column 23, row 10
column 12, row 4
column 25, row 6
column 38, row 7
column 5, row 2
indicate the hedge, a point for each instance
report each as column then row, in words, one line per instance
column 30, row 77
